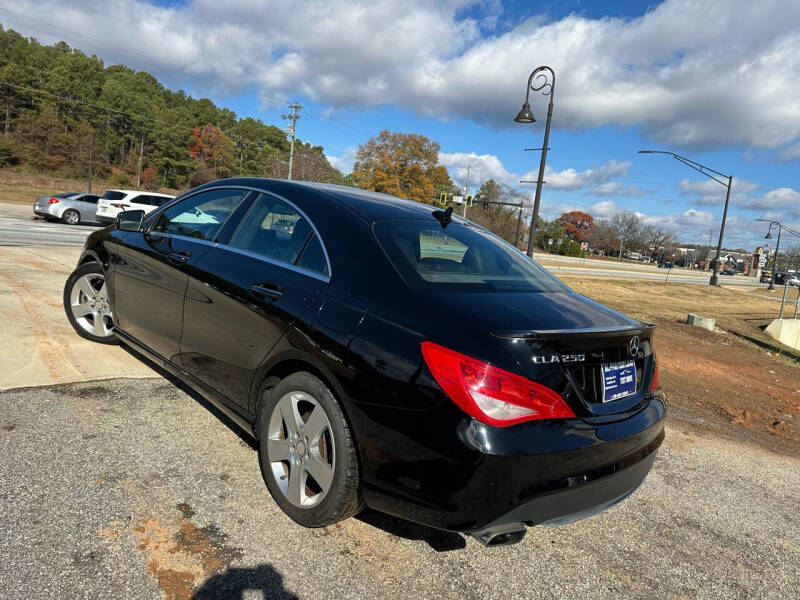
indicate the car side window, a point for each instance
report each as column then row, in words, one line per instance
column 89, row 199
column 272, row 228
column 201, row 215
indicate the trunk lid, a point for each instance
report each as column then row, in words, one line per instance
column 563, row 340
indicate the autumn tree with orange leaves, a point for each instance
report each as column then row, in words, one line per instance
column 576, row 224
column 212, row 150
column 401, row 164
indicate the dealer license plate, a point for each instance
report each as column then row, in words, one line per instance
column 619, row 380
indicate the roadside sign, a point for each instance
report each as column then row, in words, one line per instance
column 584, row 246
column 560, row 241
column 458, row 199
column 550, row 242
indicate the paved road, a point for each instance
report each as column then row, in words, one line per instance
column 18, row 228
column 131, row 488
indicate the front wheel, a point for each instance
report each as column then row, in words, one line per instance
column 87, row 306
column 307, row 453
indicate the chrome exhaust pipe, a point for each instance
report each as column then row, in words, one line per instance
column 500, row 535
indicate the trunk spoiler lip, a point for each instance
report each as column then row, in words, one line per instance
column 608, row 331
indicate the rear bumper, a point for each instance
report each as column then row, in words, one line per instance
column 576, row 499
column 49, row 212
column 536, row 473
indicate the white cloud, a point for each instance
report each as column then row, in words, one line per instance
column 691, row 74
column 570, row 179
column 615, row 188
column 482, row 167
column 344, row 162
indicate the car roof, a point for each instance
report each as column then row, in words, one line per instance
column 138, row 192
column 370, row 206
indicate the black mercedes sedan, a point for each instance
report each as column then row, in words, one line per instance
column 383, row 353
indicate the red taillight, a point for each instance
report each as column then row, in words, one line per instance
column 120, row 205
column 54, row 201
column 491, row 395
column 654, row 376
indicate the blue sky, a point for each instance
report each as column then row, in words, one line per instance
column 630, row 75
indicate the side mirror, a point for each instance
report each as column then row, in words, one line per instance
column 129, row 220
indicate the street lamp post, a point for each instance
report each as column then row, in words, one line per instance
column 777, row 248
column 707, row 172
column 525, row 115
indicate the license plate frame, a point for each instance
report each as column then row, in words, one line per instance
column 618, row 379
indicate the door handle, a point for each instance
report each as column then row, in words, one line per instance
column 179, row 257
column 272, row 290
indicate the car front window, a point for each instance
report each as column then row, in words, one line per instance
column 200, row 216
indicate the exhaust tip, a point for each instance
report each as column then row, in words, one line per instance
column 504, row 535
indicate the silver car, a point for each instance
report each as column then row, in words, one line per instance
column 69, row 207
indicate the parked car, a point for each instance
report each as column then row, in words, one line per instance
column 115, row 201
column 69, row 207
column 385, row 354
column 730, row 272
column 664, row 265
column 793, row 280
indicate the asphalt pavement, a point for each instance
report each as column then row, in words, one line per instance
column 132, row 488
column 18, row 228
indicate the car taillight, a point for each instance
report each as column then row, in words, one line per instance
column 654, row 376
column 491, row 395
column 120, row 205
column 54, row 201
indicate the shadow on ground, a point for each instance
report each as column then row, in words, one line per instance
column 439, row 540
column 234, row 582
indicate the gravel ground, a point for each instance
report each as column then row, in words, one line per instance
column 132, row 488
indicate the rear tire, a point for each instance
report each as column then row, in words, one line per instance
column 307, row 453
column 71, row 217
column 87, row 305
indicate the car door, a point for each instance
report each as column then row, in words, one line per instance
column 149, row 277
column 87, row 207
column 244, row 294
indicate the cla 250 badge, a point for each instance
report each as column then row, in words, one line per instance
column 559, row 358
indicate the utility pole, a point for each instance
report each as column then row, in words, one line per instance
column 466, row 191
column 139, row 167
column 291, row 130
column 91, row 158
column 708, row 254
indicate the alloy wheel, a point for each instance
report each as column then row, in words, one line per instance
column 89, row 305
column 72, row 217
column 301, row 449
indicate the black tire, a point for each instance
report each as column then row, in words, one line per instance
column 342, row 499
column 95, row 273
column 71, row 217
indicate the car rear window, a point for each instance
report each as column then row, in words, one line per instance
column 459, row 258
column 113, row 195
column 66, row 194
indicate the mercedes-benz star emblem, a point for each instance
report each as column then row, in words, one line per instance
column 633, row 345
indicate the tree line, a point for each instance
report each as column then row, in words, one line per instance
column 61, row 110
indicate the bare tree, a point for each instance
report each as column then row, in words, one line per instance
column 628, row 226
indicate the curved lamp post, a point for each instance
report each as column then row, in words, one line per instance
column 707, row 172
column 780, row 227
column 525, row 115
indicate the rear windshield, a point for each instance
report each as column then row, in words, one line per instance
column 459, row 258
column 66, row 194
column 113, row 195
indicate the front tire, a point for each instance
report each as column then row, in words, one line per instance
column 71, row 217
column 87, row 305
column 307, row 453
